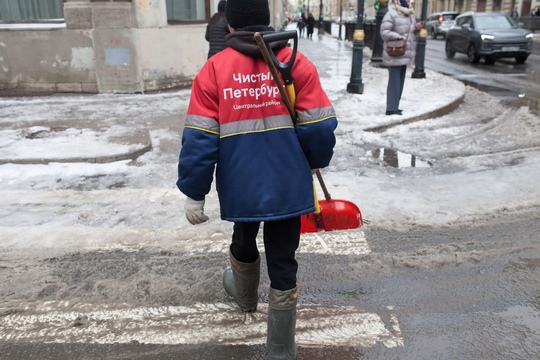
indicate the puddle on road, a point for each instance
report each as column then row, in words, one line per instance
column 398, row 159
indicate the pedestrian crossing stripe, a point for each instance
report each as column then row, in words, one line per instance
column 86, row 238
column 221, row 323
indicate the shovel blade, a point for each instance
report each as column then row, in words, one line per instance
column 336, row 215
column 310, row 224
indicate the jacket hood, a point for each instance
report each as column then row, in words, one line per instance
column 242, row 40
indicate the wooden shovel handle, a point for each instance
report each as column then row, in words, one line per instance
column 323, row 185
column 275, row 75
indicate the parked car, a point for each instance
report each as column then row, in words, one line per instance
column 439, row 23
column 489, row 35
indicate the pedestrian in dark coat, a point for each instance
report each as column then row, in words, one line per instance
column 216, row 30
column 310, row 26
column 514, row 15
column 398, row 23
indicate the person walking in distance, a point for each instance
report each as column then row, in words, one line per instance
column 237, row 120
column 310, row 26
column 514, row 14
column 398, row 23
column 301, row 26
column 216, row 30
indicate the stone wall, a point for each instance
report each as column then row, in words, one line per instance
column 104, row 46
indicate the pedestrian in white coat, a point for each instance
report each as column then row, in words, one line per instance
column 398, row 23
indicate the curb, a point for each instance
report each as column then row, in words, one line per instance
column 138, row 142
column 428, row 115
column 131, row 155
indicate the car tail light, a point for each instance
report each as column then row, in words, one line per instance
column 440, row 20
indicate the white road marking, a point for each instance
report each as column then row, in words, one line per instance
column 61, row 322
column 86, row 238
column 131, row 219
column 484, row 76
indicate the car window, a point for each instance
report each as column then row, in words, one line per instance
column 449, row 16
column 494, row 22
column 464, row 20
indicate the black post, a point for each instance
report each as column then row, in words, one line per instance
column 377, row 55
column 356, row 86
column 340, row 18
column 419, row 72
column 321, row 25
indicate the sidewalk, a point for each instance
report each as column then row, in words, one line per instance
column 109, row 127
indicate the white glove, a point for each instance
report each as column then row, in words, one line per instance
column 195, row 211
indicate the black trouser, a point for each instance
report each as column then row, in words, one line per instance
column 281, row 239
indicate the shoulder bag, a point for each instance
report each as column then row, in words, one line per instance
column 397, row 47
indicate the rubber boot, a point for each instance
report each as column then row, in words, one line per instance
column 241, row 281
column 282, row 324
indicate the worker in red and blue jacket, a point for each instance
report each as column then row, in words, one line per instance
column 237, row 120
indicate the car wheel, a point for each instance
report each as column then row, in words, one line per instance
column 448, row 49
column 472, row 54
column 433, row 34
column 521, row 59
column 490, row 61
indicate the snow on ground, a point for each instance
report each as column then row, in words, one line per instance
column 477, row 163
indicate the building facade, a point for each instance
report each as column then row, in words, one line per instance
column 105, row 46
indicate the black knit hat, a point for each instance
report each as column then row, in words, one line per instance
column 242, row 13
column 221, row 6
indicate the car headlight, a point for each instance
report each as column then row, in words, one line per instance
column 487, row 37
column 529, row 36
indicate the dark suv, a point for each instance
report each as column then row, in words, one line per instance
column 489, row 35
column 438, row 23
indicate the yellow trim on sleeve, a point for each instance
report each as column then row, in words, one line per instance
column 315, row 121
column 202, row 129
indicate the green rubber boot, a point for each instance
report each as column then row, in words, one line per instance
column 241, row 281
column 282, row 324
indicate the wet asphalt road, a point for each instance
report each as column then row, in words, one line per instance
column 457, row 293
column 505, row 80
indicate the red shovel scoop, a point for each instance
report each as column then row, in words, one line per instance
column 332, row 214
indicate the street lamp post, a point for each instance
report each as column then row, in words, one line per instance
column 321, row 28
column 340, row 18
column 419, row 72
column 356, row 86
column 377, row 55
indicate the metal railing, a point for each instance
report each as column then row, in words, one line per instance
column 530, row 22
column 369, row 31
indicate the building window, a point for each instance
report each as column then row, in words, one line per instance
column 188, row 10
column 31, row 10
